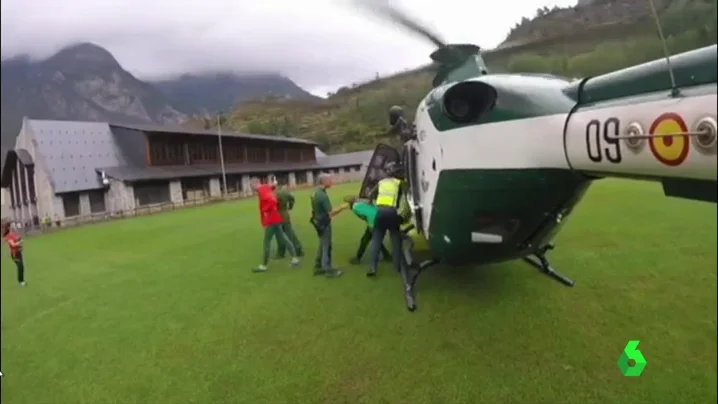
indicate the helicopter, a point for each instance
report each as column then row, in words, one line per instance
column 495, row 163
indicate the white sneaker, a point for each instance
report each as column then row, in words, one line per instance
column 23, row 284
column 294, row 262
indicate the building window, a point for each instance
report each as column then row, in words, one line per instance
column 151, row 193
column 166, row 152
column 233, row 152
column 282, row 178
column 97, row 200
column 13, row 192
column 204, row 151
column 233, row 183
column 71, row 204
column 31, row 183
column 301, row 177
column 256, row 155
column 276, row 155
column 195, row 188
column 23, row 184
column 211, row 151
column 307, row 154
column 294, row 155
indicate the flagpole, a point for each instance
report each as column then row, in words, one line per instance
column 221, row 155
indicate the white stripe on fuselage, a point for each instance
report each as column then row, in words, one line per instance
column 522, row 143
column 519, row 144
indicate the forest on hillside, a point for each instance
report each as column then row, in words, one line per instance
column 683, row 31
column 356, row 118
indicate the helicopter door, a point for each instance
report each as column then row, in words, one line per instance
column 375, row 169
column 412, row 176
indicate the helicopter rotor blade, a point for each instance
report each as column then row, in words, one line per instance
column 386, row 11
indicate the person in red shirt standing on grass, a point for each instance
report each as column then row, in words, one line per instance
column 272, row 223
column 14, row 241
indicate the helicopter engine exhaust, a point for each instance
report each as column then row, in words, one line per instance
column 468, row 101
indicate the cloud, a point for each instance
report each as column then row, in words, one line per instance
column 317, row 43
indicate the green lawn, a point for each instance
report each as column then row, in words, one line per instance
column 164, row 309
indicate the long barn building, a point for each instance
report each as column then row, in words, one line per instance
column 65, row 169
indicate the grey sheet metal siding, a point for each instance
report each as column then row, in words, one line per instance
column 174, row 129
column 72, row 150
column 127, row 173
column 345, row 159
column 132, row 143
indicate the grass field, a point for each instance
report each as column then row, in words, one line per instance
column 164, row 309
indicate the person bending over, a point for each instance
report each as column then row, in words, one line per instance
column 366, row 211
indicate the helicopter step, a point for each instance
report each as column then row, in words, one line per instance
column 539, row 261
column 409, row 274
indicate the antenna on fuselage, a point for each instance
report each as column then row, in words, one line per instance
column 666, row 52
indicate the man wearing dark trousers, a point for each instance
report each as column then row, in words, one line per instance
column 366, row 211
column 388, row 197
column 286, row 203
column 321, row 220
column 14, row 242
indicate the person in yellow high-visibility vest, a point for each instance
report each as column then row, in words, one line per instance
column 388, row 198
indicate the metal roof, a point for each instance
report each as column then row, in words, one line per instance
column 71, row 150
column 11, row 158
column 202, row 132
column 74, row 152
column 132, row 174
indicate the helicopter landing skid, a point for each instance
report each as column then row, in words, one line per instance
column 539, row 261
column 410, row 274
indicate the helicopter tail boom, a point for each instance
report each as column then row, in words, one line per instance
column 633, row 124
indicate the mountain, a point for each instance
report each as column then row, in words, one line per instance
column 621, row 33
column 215, row 92
column 85, row 82
column 82, row 82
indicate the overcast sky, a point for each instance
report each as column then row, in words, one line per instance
column 320, row 44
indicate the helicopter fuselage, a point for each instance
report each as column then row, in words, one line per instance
column 500, row 187
column 497, row 190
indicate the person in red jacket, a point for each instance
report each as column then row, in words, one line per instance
column 272, row 222
column 14, row 241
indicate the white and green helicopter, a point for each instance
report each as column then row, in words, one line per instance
column 495, row 163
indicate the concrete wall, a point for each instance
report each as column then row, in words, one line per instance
column 5, row 203
column 215, row 189
column 120, row 197
column 176, row 192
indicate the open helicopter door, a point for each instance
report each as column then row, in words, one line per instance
column 383, row 154
column 411, row 157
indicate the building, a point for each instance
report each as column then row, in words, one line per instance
column 67, row 169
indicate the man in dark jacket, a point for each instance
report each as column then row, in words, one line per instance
column 286, row 203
